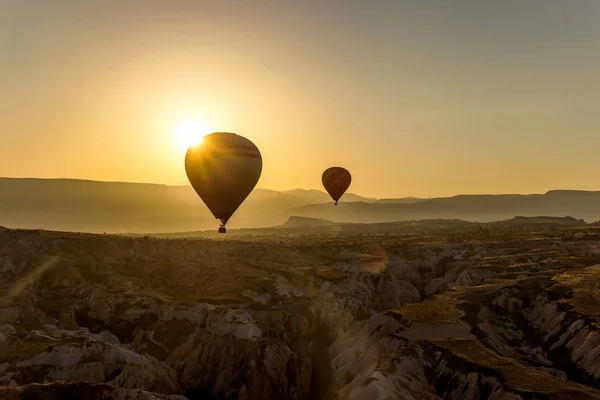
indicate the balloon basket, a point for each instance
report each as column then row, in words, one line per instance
column 222, row 229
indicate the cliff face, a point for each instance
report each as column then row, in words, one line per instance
column 389, row 316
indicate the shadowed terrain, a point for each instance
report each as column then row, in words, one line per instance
column 430, row 310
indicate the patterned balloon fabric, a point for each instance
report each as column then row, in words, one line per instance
column 336, row 181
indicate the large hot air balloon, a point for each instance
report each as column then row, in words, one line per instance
column 336, row 181
column 223, row 169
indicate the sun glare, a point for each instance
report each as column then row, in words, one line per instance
column 189, row 132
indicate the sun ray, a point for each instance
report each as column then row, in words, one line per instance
column 189, row 132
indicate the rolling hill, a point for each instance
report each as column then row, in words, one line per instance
column 482, row 208
column 92, row 206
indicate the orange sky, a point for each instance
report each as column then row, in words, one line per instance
column 414, row 98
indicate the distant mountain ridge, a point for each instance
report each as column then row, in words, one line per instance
column 95, row 206
column 403, row 200
column 481, row 208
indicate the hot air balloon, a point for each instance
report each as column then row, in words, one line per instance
column 223, row 169
column 336, row 181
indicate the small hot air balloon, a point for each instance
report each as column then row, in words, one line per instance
column 336, row 181
column 223, row 169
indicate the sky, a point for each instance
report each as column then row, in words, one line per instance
column 414, row 97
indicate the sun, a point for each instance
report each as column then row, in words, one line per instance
column 189, row 132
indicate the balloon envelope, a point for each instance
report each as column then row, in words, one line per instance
column 336, row 181
column 223, row 169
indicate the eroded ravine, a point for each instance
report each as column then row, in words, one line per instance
column 416, row 318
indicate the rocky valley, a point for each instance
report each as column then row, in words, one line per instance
column 412, row 310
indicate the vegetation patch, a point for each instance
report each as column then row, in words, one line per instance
column 330, row 274
column 24, row 350
column 517, row 375
column 585, row 287
column 489, row 286
column 438, row 309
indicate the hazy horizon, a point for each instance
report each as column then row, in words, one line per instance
column 320, row 189
column 425, row 99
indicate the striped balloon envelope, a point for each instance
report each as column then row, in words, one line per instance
column 223, row 169
column 336, row 181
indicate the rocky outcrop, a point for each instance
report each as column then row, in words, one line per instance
column 80, row 390
column 391, row 316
